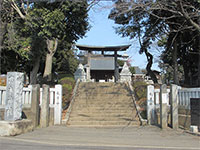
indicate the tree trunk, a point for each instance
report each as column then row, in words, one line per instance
column 198, row 41
column 33, row 73
column 186, row 74
column 199, row 60
column 148, row 68
column 175, row 63
column 199, row 70
column 51, row 46
column 48, row 67
column 2, row 30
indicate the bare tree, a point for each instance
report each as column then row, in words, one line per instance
column 151, row 19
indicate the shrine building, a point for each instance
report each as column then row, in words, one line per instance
column 102, row 66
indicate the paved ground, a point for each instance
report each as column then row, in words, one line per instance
column 127, row 138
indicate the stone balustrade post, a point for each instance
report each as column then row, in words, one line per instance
column 150, row 105
column 35, row 104
column 44, row 114
column 163, row 106
column 174, row 105
column 58, row 104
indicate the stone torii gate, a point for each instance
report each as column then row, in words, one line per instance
column 103, row 49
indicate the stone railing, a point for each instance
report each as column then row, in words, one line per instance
column 170, row 106
column 142, row 121
column 72, row 102
column 55, row 99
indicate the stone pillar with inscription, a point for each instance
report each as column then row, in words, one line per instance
column 13, row 124
column 150, row 105
column 163, row 106
column 14, row 88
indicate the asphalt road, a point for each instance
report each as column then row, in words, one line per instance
column 123, row 138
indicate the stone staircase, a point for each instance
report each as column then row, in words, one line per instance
column 103, row 105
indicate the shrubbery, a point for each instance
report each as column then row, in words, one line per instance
column 67, row 82
column 140, row 88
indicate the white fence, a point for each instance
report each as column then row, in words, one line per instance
column 184, row 95
column 2, row 96
column 26, row 96
column 55, row 99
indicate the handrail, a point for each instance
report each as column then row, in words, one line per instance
column 142, row 121
column 71, row 103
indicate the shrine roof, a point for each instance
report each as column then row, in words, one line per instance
column 103, row 48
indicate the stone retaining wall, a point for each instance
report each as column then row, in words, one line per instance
column 28, row 114
column 184, row 117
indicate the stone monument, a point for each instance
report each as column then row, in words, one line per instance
column 13, row 123
column 125, row 75
column 80, row 73
column 13, row 105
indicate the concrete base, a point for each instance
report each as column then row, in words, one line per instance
column 12, row 128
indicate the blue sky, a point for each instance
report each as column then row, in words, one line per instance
column 102, row 33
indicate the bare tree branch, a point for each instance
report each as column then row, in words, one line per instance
column 185, row 14
column 14, row 5
column 93, row 3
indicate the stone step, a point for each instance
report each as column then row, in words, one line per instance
column 105, row 91
column 105, row 109
column 100, row 126
column 103, row 85
column 102, row 111
column 102, row 103
column 94, row 102
column 103, row 106
column 112, row 89
column 88, row 104
column 104, row 99
column 81, row 118
column 104, row 123
column 105, row 112
column 102, row 115
column 98, row 103
column 104, row 96
column 102, row 91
